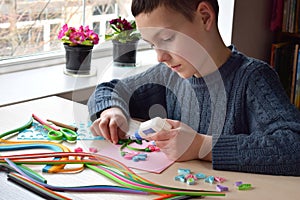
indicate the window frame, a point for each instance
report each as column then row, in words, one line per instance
column 57, row 57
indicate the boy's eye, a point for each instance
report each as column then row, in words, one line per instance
column 160, row 41
column 169, row 39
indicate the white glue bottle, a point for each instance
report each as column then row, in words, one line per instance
column 150, row 127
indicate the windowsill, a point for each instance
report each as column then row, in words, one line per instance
column 37, row 83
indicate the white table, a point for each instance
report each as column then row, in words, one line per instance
column 264, row 186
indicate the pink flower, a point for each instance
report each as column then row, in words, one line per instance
column 80, row 36
column 121, row 24
column 122, row 30
column 77, row 37
column 87, row 29
column 63, row 31
column 94, row 37
column 81, row 29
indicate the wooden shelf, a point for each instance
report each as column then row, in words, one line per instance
column 286, row 36
column 291, row 35
column 285, row 53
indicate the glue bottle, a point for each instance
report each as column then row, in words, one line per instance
column 150, row 127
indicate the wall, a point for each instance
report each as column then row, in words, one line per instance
column 251, row 33
column 225, row 20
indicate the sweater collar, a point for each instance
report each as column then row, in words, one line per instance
column 225, row 70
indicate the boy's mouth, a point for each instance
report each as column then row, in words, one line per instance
column 175, row 67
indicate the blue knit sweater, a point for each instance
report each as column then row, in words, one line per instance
column 243, row 106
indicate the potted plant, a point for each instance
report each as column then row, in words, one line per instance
column 125, row 37
column 78, row 44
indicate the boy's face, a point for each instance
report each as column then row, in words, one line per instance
column 177, row 41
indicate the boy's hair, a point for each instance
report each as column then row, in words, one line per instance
column 186, row 7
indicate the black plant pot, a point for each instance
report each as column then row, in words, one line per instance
column 78, row 59
column 124, row 54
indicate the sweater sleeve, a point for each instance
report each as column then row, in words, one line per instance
column 272, row 145
column 134, row 95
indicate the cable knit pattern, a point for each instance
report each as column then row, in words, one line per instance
column 261, row 128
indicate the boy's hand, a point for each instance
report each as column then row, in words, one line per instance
column 182, row 143
column 112, row 125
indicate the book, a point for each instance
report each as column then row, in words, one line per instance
column 297, row 83
column 290, row 15
column 291, row 28
column 294, row 73
column 297, row 21
column 282, row 58
column 284, row 17
column 275, row 51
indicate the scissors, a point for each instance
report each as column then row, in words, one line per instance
column 61, row 134
column 58, row 134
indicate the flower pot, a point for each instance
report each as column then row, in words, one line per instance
column 124, row 54
column 78, row 59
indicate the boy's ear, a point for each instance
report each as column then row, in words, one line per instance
column 207, row 14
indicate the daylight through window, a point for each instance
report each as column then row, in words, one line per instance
column 30, row 27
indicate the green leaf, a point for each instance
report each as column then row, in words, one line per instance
column 87, row 43
column 109, row 36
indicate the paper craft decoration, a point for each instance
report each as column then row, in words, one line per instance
column 38, row 132
column 156, row 162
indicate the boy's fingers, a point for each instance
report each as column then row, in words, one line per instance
column 113, row 129
column 103, row 128
column 121, row 134
column 95, row 128
column 161, row 144
column 174, row 123
column 161, row 136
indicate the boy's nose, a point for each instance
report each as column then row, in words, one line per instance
column 162, row 55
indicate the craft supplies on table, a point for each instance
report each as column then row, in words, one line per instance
column 38, row 132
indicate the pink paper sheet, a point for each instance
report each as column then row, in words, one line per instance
column 156, row 162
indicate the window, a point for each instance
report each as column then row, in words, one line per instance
column 29, row 28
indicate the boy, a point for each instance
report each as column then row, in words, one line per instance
column 223, row 106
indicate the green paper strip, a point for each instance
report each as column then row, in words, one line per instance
column 156, row 188
column 32, row 174
column 27, row 125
